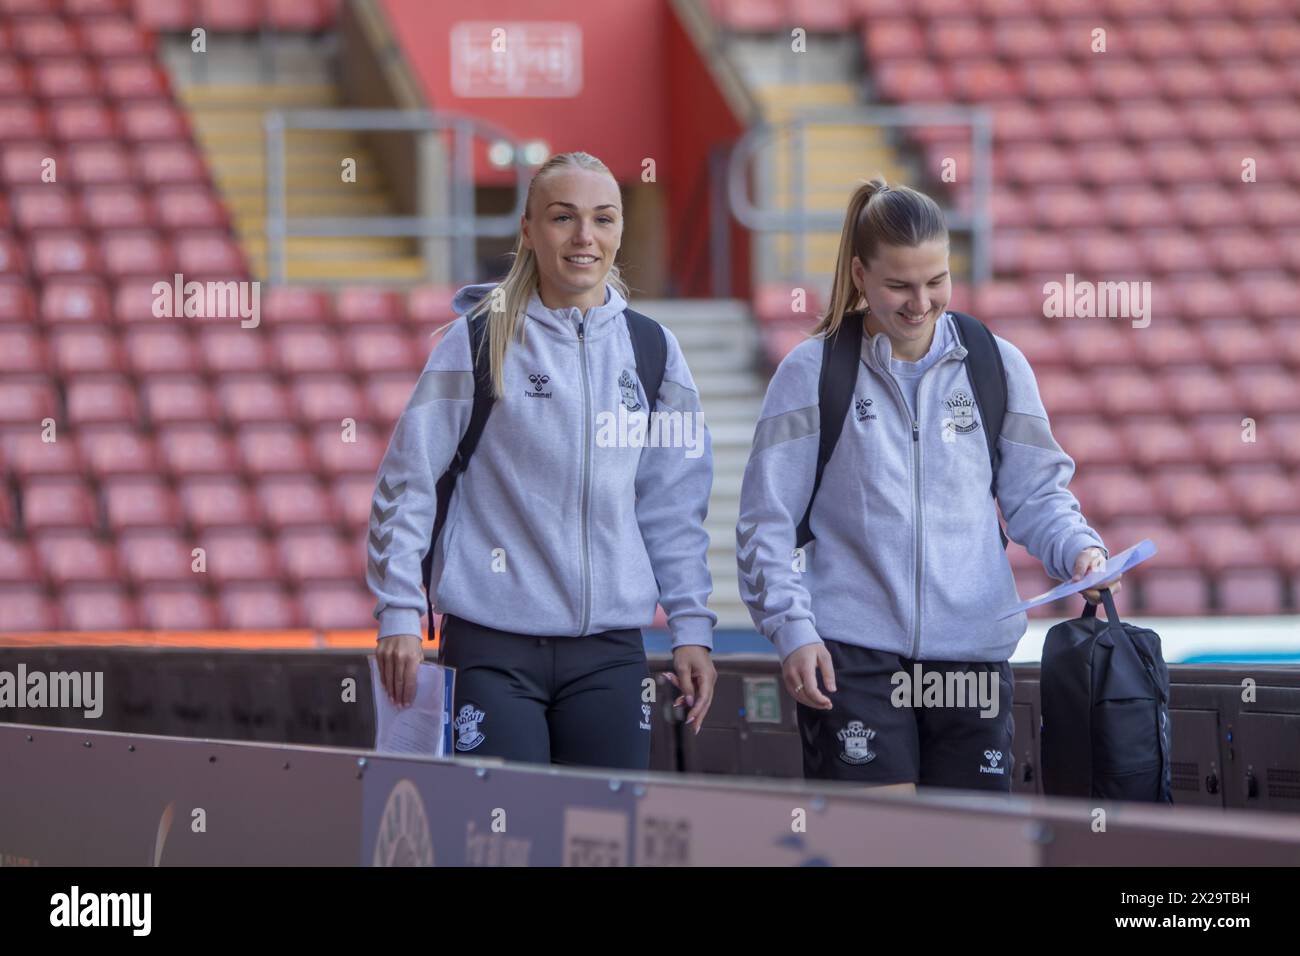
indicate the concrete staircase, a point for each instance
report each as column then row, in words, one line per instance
column 721, row 346
column 227, row 94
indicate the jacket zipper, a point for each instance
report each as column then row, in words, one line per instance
column 586, row 483
column 917, row 512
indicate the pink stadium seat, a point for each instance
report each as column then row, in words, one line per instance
column 28, row 455
column 1116, row 79
column 387, row 395
column 77, row 349
column 284, row 304
column 1042, row 344
column 13, row 261
column 73, row 557
column 1283, row 534
column 146, row 121
column 326, row 399
column 217, row 502
column 363, row 304
column 82, row 121
column 231, row 16
column 116, row 207
column 430, row 305
column 24, row 163
column 212, row 256
column 49, row 502
column 252, row 398
column 914, row 81
column 15, row 80
column 1090, row 440
column 1232, row 342
column 1148, row 120
column 1273, row 205
column 1284, row 436
column 320, row 554
column 1188, row 492
column 1114, row 492
column 313, row 15
column 189, row 450
column 134, row 301
column 1284, row 335
column 21, row 350
column 1053, row 79
column 294, row 500
column 182, row 208
column 1169, row 343
column 337, row 606
column 17, row 562
column 1036, row 164
column 267, row 449
column 97, row 608
column 1267, row 389
column 235, row 555
column 156, row 557
column 1174, row 592
column 776, row 303
column 1222, row 438
column 45, row 207
column 887, row 38
column 1158, row 40
column 170, row 399
column 154, row 349
column 1126, row 390
column 17, row 304
column 1184, row 79
column 164, row 15
column 136, row 254
column 164, row 164
column 1271, row 297
column 135, row 79
column 1012, row 208
column 102, row 398
column 1207, row 205
column 1195, row 390
column 1032, row 251
column 1064, row 207
column 138, row 502
column 374, row 349
column 306, row 349
column 1201, row 298
column 176, row 608
column 261, row 606
column 1263, row 491
column 337, row 457
column 958, row 38
column 25, row 401
column 352, row 494
column 1158, row 443
column 117, row 36
column 101, row 163
column 984, row 81
column 26, row 608
column 64, row 77
column 117, row 450
column 230, row 348
column 1221, row 38
column 63, row 254
column 1173, row 250
column 45, row 36
column 1250, row 591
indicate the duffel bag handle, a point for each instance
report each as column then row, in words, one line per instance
column 1112, row 614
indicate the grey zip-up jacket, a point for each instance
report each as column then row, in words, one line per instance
column 907, row 557
column 559, row 525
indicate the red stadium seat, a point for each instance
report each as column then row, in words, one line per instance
column 26, row 608
column 1012, row 208
column 217, row 502
column 1097, row 342
column 320, row 554
column 134, row 302
column 1187, row 492
column 101, row 399
column 152, row 122
column 28, row 455
column 15, row 80
column 306, row 349
column 156, row 557
column 282, row 304
column 1267, row 389
column 136, row 254
column 912, row 81
column 363, row 304
column 38, row 208
column 231, row 348
column 135, row 79
column 68, row 77
column 212, row 256
column 1076, row 122
column 27, row 401
column 26, row 163
column 1088, row 439
column 958, row 38
column 182, row 208
column 376, row 349
column 117, row 36
column 17, row 304
column 117, row 207
column 74, row 557
column 311, row 15
column 117, row 450
column 176, row 608
column 1174, row 592
column 164, row 164
column 1223, row 438
column 78, row 349
column 1169, row 343
column 430, row 305
column 267, row 449
column 352, row 494
column 175, row 16
column 50, row 502
column 235, row 555
column 1173, row 250
column 189, row 450
column 258, row 607
column 331, row 607
column 387, row 396
column 1127, row 391
column 21, row 350
column 170, row 400
column 338, row 457
column 101, row 163
column 138, row 502
column 887, row 38
column 40, row 36
column 154, row 349
column 1226, row 543
column 13, row 261
column 1036, row 165
column 231, row 16
column 1136, row 206
column 82, row 121
column 1032, row 251
column 1064, row 207
column 1157, row 443
column 63, row 254
column 326, row 399
column 1042, row 344
column 1110, row 493
column 1283, row 534
column 252, row 398
column 1263, row 491
column 97, row 608
column 984, row 81
column 1250, row 591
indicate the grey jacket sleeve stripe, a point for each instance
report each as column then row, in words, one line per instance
column 677, row 398
column 786, row 427
column 435, row 384
column 1029, row 430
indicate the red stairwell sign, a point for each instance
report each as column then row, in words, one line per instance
column 532, row 58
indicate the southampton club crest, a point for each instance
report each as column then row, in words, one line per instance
column 627, row 387
column 467, row 732
column 857, row 743
column 961, row 409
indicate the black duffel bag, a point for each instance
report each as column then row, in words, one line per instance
column 1105, row 700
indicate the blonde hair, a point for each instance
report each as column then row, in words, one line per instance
column 511, row 295
column 878, row 214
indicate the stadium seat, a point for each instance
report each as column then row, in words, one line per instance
column 117, row 36
column 258, row 606
column 1195, row 390
column 363, row 304
column 209, row 256
column 230, row 348
column 1227, row 441
column 430, row 305
column 67, row 556
column 370, row 350
column 155, row 556
column 284, row 304
column 117, row 207
column 136, row 254
column 100, row 163
column 151, row 350
column 22, row 120
column 17, row 304
column 146, row 122
column 1136, row 206
column 27, row 454
column 186, row 207
column 176, row 608
column 97, row 608
column 25, row 401
column 63, row 254
column 165, row 15
column 387, row 396
column 320, row 554
column 217, row 502
column 252, row 398
column 117, row 449
column 76, row 121
column 297, row 499
column 57, row 502
column 300, row 350
column 164, row 164
column 102, row 398
column 1188, row 492
column 189, row 450
column 338, row 606
column 1250, row 591
column 26, row 607
column 170, row 399
column 353, row 494
column 1227, row 543
column 1174, row 592
column 44, row 208
column 78, row 349
column 1087, row 439
column 338, row 457
column 135, row 79
column 138, row 502
column 266, row 449
column 1157, row 443
column 238, row 555
column 25, row 163
column 1232, row 342
column 21, row 350
column 326, row 399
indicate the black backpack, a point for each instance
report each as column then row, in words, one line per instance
column 839, row 375
column 650, row 348
column 1105, row 720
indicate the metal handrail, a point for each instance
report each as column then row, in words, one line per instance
column 801, row 221
column 461, row 224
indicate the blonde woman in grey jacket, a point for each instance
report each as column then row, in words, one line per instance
column 885, row 621
column 567, row 526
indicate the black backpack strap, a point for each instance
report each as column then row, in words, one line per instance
column 483, row 399
column 841, row 357
column 650, row 347
column 988, row 377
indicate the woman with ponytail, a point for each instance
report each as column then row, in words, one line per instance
column 560, row 537
column 881, row 585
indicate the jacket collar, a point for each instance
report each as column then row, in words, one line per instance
column 596, row 321
column 877, row 350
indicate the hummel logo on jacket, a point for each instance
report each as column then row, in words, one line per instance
column 906, row 557
column 548, row 531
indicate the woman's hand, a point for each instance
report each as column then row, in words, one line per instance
column 399, row 659
column 799, row 671
column 695, row 678
column 1089, row 560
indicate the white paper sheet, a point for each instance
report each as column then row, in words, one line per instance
column 422, row 727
